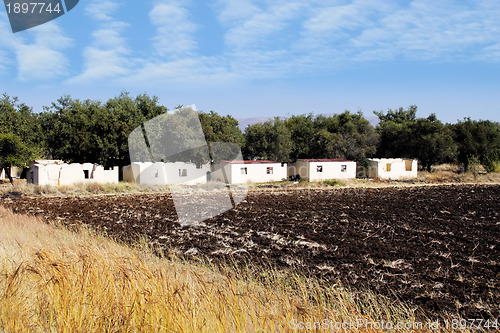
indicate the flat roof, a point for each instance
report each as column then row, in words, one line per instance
column 323, row 160
column 390, row 159
column 250, row 162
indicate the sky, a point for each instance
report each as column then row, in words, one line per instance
column 260, row 58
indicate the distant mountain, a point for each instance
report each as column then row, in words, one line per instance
column 244, row 122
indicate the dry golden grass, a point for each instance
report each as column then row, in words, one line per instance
column 82, row 188
column 451, row 177
column 54, row 280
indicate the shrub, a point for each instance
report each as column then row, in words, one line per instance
column 332, row 182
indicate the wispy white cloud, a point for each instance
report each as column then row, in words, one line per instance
column 339, row 34
column 423, row 30
column 175, row 57
column 258, row 35
column 192, row 71
column 258, row 29
column 3, row 60
column 264, row 39
column 342, row 17
column 102, row 10
column 108, row 54
column 175, row 28
column 230, row 11
column 38, row 54
column 4, row 32
column 430, row 30
column 491, row 53
column 273, row 39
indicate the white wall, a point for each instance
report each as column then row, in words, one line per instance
column 186, row 173
column 71, row 174
column 393, row 168
column 150, row 174
column 255, row 172
column 44, row 174
column 308, row 170
column 68, row 174
column 161, row 174
column 131, row 173
column 102, row 176
column 332, row 170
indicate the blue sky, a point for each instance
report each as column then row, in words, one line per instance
column 257, row 58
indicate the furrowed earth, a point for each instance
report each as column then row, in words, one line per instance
column 436, row 247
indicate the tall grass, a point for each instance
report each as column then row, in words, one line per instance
column 54, row 280
column 80, row 188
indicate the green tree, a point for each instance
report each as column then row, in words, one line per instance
column 355, row 138
column 433, row 143
column 19, row 119
column 302, row 132
column 270, row 140
column 478, row 141
column 13, row 152
column 128, row 114
column 346, row 135
column 89, row 131
column 402, row 134
column 74, row 130
column 21, row 134
column 325, row 144
column 395, row 132
column 221, row 129
column 170, row 138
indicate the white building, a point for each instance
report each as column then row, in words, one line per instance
column 392, row 168
column 58, row 173
column 161, row 173
column 322, row 169
column 242, row 172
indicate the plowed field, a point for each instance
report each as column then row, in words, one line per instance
column 436, row 247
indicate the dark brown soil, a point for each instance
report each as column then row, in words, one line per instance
column 436, row 247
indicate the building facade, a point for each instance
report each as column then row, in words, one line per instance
column 166, row 173
column 58, row 173
column 392, row 168
column 242, row 172
column 322, row 169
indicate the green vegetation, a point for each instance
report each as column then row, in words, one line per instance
column 333, row 182
column 402, row 134
column 271, row 140
column 92, row 131
column 477, row 141
column 13, row 152
column 344, row 135
column 21, row 138
column 89, row 131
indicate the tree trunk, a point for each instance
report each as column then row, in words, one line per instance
column 7, row 172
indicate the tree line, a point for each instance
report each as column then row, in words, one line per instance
column 92, row 131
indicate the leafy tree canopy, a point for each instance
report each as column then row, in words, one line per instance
column 19, row 119
column 271, row 140
column 477, row 140
column 402, row 134
column 13, row 152
column 90, row 131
